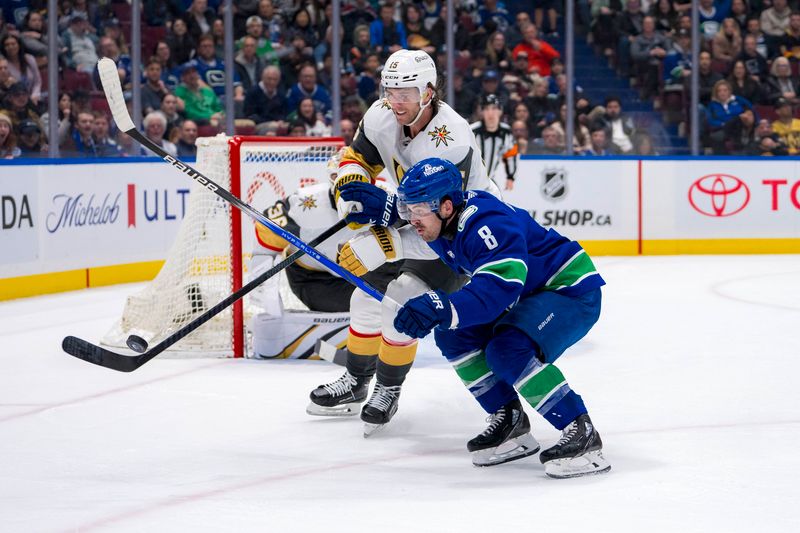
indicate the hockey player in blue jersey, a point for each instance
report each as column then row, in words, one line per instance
column 532, row 294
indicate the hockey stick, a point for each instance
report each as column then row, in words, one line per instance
column 126, row 363
column 109, row 77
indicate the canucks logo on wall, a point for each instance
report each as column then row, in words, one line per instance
column 554, row 184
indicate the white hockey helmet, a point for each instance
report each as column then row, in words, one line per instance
column 409, row 68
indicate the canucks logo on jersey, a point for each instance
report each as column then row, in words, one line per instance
column 440, row 135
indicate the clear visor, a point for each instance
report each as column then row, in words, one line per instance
column 405, row 95
column 416, row 211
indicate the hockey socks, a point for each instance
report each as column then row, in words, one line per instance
column 490, row 391
column 545, row 388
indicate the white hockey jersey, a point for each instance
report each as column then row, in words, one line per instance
column 305, row 213
column 381, row 142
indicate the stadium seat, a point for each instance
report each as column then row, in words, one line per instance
column 150, row 36
column 765, row 111
column 73, row 80
column 207, row 131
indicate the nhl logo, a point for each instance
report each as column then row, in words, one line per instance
column 554, row 184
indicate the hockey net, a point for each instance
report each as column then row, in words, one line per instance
column 208, row 260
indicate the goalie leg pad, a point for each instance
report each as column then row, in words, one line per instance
column 295, row 333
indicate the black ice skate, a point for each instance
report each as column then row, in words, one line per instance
column 339, row 398
column 577, row 453
column 507, row 438
column 380, row 408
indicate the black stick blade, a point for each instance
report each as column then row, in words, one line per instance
column 100, row 356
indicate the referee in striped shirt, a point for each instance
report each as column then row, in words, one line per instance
column 496, row 142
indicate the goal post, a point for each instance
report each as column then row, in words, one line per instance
column 208, row 260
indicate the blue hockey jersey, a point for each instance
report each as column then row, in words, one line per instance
column 507, row 254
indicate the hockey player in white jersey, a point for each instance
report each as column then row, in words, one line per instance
column 408, row 124
column 282, row 333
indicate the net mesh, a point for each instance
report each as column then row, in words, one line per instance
column 197, row 272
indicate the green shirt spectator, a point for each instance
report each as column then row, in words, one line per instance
column 201, row 104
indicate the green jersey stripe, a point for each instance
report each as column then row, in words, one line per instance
column 575, row 270
column 509, row 270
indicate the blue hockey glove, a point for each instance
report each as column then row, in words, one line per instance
column 378, row 207
column 421, row 314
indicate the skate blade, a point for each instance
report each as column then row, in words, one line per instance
column 346, row 409
column 372, row 429
column 583, row 465
column 510, row 450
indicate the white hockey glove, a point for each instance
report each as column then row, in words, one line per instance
column 369, row 250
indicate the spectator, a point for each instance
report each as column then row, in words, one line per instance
column 155, row 125
column 727, row 43
column 754, row 28
column 109, row 49
column 81, row 45
column 212, row 70
column 368, row 81
column 541, row 106
column 643, row 144
column 80, row 142
column 30, row 142
column 551, row 143
column 599, row 143
column 18, row 104
column 723, row 108
column 604, row 17
column 678, row 61
column 34, row 36
column 273, row 21
column 497, row 53
column 358, row 53
column 301, row 25
column 8, row 141
column 153, row 88
column 353, row 108
column 200, row 102
column 181, row 43
column 781, row 83
column 265, row 104
column 739, row 133
column 517, row 79
column 163, row 53
column 581, row 140
column 648, row 50
column 199, row 19
column 297, row 129
column 521, row 112
column 417, row 35
column 514, row 33
column 348, row 131
column 490, row 84
column 620, row 128
column 307, row 86
column 248, row 64
column 665, row 16
column 767, row 143
column 775, row 20
column 740, row 12
column 756, row 65
column 539, row 7
column 708, row 78
column 64, row 116
column 21, row 65
column 186, row 141
column 218, row 34
column 629, row 23
column 310, row 118
column 160, row 12
column 790, row 42
column 170, row 107
column 113, row 31
column 439, row 32
column 786, row 126
column 6, row 79
column 743, row 85
column 466, row 100
column 540, row 54
column 262, row 45
column 298, row 54
column 105, row 145
column 712, row 13
column 386, row 35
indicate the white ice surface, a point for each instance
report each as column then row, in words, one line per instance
column 692, row 377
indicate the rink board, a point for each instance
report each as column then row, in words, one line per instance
column 70, row 224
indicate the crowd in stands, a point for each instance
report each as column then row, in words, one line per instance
column 282, row 85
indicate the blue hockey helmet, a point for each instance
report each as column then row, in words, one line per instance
column 428, row 182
